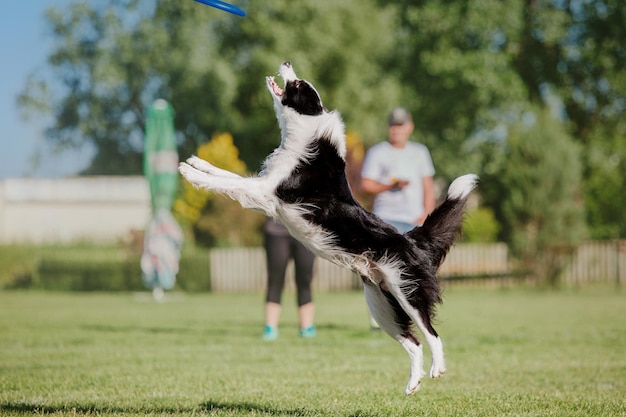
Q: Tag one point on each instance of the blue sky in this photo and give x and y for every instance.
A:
(24, 47)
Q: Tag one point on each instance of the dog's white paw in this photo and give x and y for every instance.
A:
(195, 177)
(412, 387)
(208, 168)
(185, 169)
(438, 366)
(437, 370)
(199, 164)
(414, 383)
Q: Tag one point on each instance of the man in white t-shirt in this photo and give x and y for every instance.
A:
(400, 175)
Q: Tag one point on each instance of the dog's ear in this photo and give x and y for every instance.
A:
(301, 96)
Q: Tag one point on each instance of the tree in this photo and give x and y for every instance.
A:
(454, 59)
(101, 104)
(339, 45)
(472, 68)
(605, 185)
(468, 71)
(116, 57)
(536, 186)
(575, 49)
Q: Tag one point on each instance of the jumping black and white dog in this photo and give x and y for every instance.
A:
(303, 184)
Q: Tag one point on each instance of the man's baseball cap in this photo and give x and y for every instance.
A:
(399, 116)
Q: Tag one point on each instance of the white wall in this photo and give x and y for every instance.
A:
(35, 210)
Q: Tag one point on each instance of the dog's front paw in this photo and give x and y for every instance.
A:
(195, 177)
(185, 169)
(199, 164)
(208, 168)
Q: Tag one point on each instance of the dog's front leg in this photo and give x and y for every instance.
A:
(252, 192)
(204, 166)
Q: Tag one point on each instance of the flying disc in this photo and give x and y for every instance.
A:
(227, 7)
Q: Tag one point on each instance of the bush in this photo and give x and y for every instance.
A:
(18, 265)
(86, 267)
(67, 274)
(480, 226)
(195, 273)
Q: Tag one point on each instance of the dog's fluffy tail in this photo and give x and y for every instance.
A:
(443, 225)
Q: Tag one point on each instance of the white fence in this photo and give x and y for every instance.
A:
(598, 261)
(244, 269)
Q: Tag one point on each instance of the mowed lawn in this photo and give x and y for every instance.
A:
(516, 352)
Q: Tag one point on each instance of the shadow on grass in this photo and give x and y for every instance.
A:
(222, 329)
(247, 407)
(228, 407)
(137, 329)
(87, 409)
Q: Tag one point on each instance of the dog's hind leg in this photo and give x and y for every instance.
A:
(421, 317)
(394, 321)
(413, 347)
(438, 365)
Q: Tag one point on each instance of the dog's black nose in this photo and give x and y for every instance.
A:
(287, 64)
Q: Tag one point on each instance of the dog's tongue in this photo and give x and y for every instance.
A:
(277, 90)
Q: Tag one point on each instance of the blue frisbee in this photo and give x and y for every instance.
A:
(227, 7)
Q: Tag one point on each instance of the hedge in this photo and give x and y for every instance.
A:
(66, 273)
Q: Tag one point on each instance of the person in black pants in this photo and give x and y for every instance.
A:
(280, 246)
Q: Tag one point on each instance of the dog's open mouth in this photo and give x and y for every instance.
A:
(275, 88)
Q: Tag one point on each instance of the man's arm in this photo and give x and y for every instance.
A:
(374, 187)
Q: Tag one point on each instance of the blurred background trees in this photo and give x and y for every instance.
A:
(529, 94)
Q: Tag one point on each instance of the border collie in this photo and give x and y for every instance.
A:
(303, 184)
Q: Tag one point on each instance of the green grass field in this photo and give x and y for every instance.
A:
(509, 352)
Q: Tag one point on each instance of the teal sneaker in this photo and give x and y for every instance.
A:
(270, 333)
(308, 333)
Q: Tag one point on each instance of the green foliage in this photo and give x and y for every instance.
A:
(512, 352)
(17, 266)
(62, 274)
(466, 70)
(224, 223)
(454, 59)
(92, 268)
(480, 226)
(219, 151)
(577, 49)
(20, 264)
(537, 189)
(605, 187)
(116, 57)
(340, 45)
(471, 68)
(194, 271)
(218, 221)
